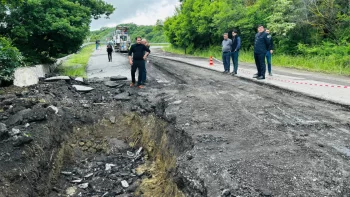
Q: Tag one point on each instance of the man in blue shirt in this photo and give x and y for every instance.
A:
(236, 45)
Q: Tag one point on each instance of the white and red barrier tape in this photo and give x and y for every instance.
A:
(299, 82)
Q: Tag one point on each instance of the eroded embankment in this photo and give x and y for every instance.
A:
(73, 137)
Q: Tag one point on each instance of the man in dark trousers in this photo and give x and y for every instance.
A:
(236, 45)
(269, 52)
(261, 46)
(109, 51)
(226, 52)
(137, 55)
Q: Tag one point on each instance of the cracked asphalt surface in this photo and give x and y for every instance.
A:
(254, 140)
(251, 139)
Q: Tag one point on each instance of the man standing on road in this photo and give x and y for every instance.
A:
(261, 46)
(144, 76)
(97, 43)
(236, 45)
(269, 52)
(109, 51)
(226, 50)
(137, 55)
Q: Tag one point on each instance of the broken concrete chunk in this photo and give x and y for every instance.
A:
(66, 173)
(57, 78)
(22, 141)
(80, 88)
(112, 119)
(88, 175)
(3, 127)
(77, 181)
(122, 97)
(130, 154)
(83, 186)
(111, 84)
(14, 132)
(53, 108)
(226, 192)
(125, 184)
(70, 191)
(118, 78)
(25, 77)
(177, 102)
(80, 79)
(109, 166)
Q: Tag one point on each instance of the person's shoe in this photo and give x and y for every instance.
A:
(233, 73)
(132, 84)
(260, 78)
(270, 73)
(224, 72)
(255, 76)
(141, 86)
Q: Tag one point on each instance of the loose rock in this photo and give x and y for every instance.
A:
(80, 79)
(109, 166)
(83, 186)
(225, 193)
(118, 78)
(80, 88)
(3, 129)
(14, 132)
(22, 140)
(112, 119)
(122, 97)
(57, 78)
(125, 184)
(111, 84)
(71, 191)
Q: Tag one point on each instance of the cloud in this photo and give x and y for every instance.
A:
(141, 12)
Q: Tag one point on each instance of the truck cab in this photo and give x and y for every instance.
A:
(122, 39)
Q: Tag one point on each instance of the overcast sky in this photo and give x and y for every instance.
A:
(141, 12)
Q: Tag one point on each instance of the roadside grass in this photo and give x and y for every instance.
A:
(76, 64)
(324, 64)
(160, 44)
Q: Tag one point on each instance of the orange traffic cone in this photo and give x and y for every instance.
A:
(211, 63)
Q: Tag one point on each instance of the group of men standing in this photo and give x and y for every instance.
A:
(263, 47)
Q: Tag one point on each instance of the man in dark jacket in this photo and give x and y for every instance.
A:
(269, 52)
(109, 51)
(261, 46)
(236, 45)
(137, 55)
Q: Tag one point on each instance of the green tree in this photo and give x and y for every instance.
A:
(10, 59)
(50, 28)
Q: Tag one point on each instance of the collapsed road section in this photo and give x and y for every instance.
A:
(64, 137)
(190, 132)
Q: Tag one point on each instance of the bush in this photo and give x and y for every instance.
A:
(10, 59)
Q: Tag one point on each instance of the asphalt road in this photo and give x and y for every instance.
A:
(256, 140)
(252, 139)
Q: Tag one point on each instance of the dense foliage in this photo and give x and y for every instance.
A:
(308, 27)
(46, 29)
(10, 59)
(153, 33)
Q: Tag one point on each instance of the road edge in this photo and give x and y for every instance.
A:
(264, 83)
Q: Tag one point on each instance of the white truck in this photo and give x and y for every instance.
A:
(121, 39)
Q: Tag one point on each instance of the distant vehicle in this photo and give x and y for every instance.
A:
(121, 39)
